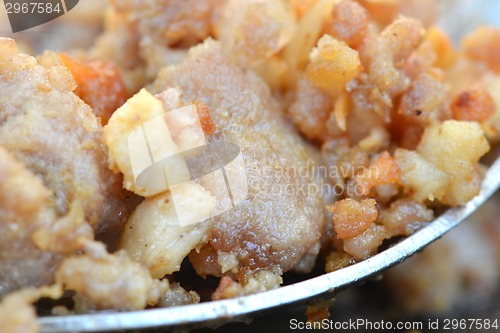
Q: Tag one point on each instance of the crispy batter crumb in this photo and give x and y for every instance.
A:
(337, 260)
(473, 104)
(383, 170)
(258, 282)
(332, 64)
(109, 282)
(351, 217)
(349, 22)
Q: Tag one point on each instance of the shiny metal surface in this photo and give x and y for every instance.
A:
(323, 286)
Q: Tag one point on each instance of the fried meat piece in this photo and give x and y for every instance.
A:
(32, 237)
(282, 217)
(55, 134)
(104, 281)
(24, 202)
(309, 109)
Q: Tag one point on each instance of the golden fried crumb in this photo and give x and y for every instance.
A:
(351, 217)
(110, 282)
(332, 64)
(473, 104)
(349, 22)
(383, 170)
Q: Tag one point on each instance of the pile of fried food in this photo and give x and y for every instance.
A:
(356, 120)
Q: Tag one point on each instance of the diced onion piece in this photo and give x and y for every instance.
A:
(332, 64)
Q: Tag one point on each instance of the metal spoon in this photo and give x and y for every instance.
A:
(321, 287)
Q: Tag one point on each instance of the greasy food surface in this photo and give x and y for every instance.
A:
(349, 125)
(243, 109)
(57, 137)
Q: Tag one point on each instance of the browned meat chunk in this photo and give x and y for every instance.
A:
(282, 217)
(53, 167)
(57, 137)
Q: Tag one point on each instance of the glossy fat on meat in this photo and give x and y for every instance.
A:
(270, 228)
(55, 134)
